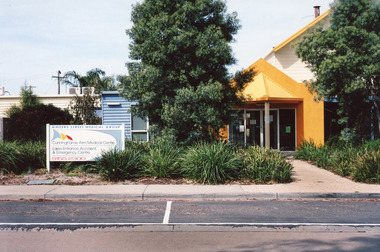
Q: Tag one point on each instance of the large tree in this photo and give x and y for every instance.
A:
(94, 78)
(180, 51)
(345, 59)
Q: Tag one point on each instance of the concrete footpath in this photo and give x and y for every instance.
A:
(310, 182)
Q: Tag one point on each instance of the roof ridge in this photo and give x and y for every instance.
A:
(265, 84)
(302, 30)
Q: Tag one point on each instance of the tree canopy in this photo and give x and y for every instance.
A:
(345, 59)
(94, 78)
(180, 51)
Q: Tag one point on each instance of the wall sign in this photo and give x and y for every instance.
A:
(288, 129)
(241, 128)
(69, 143)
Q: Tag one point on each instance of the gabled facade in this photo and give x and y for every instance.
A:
(280, 112)
(284, 56)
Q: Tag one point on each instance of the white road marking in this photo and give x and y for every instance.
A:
(167, 212)
(191, 224)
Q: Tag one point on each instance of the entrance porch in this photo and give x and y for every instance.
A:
(278, 112)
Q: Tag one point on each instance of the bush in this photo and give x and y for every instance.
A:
(341, 160)
(372, 145)
(33, 155)
(264, 165)
(30, 122)
(9, 157)
(140, 146)
(211, 163)
(367, 167)
(18, 157)
(162, 160)
(308, 150)
(120, 165)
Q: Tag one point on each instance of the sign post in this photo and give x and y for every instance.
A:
(81, 143)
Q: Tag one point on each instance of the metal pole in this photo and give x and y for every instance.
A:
(58, 77)
(48, 148)
(59, 82)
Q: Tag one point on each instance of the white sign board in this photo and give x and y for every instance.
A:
(69, 143)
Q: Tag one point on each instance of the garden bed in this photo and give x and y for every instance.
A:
(151, 163)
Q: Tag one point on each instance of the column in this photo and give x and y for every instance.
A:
(267, 125)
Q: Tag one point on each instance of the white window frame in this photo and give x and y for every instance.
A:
(139, 131)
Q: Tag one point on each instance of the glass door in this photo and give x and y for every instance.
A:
(254, 128)
(236, 127)
(247, 127)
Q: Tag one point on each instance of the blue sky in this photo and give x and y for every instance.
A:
(40, 37)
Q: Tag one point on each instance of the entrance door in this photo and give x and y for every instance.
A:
(254, 127)
(287, 129)
(247, 127)
(236, 127)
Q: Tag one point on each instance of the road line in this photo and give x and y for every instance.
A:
(167, 212)
(191, 224)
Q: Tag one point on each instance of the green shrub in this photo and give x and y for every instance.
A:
(341, 160)
(367, 167)
(33, 155)
(18, 157)
(372, 145)
(211, 163)
(264, 165)
(120, 165)
(162, 160)
(9, 157)
(136, 145)
(30, 122)
(308, 150)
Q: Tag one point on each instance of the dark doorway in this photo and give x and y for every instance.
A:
(287, 129)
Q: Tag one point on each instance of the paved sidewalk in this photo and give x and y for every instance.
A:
(310, 182)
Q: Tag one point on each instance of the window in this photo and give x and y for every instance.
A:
(139, 129)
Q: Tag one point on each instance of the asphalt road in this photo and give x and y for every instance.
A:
(257, 211)
(332, 225)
